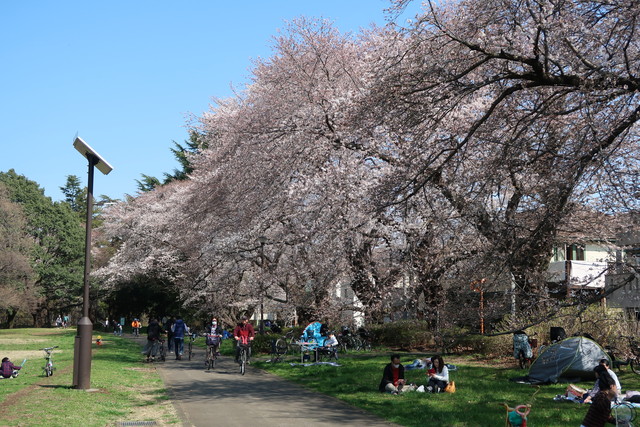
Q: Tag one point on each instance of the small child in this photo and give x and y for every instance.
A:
(8, 369)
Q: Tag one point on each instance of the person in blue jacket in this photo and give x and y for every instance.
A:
(179, 329)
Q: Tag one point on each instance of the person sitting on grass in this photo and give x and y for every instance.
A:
(330, 346)
(438, 375)
(393, 376)
(419, 364)
(600, 410)
(603, 376)
(9, 369)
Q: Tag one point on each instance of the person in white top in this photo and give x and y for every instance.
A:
(438, 375)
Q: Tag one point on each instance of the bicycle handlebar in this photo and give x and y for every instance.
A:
(49, 348)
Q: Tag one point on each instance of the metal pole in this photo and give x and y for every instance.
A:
(262, 287)
(82, 377)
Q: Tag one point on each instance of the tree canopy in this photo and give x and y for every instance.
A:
(401, 163)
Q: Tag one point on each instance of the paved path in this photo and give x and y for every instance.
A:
(223, 397)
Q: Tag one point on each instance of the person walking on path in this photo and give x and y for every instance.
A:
(154, 330)
(179, 329)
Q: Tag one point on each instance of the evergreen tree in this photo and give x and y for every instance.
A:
(57, 257)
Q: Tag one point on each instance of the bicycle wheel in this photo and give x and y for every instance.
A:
(190, 350)
(634, 366)
(163, 352)
(243, 360)
(48, 371)
(281, 347)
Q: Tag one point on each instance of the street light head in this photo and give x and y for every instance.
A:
(88, 152)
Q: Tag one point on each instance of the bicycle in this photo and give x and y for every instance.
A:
(243, 358)
(633, 359)
(163, 350)
(48, 357)
(192, 338)
(213, 344)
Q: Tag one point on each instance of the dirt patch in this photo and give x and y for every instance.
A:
(506, 362)
(16, 356)
(20, 341)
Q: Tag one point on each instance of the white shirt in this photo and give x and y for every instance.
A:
(331, 341)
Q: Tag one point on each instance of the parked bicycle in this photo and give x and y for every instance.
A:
(632, 358)
(48, 357)
(245, 349)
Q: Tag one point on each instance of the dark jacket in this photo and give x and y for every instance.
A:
(599, 411)
(387, 376)
(154, 330)
(216, 331)
(179, 328)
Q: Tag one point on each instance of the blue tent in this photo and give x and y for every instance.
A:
(573, 357)
(312, 333)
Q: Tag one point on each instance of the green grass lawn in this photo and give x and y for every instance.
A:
(126, 389)
(481, 390)
(129, 390)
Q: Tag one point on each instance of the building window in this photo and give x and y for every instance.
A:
(575, 253)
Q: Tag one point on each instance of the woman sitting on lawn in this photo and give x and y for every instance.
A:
(438, 375)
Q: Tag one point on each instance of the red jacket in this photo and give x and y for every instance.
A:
(243, 330)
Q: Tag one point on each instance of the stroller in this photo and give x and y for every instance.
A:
(522, 349)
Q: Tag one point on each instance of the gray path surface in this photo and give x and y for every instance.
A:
(223, 397)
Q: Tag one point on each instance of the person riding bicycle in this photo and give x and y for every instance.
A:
(9, 369)
(214, 335)
(243, 333)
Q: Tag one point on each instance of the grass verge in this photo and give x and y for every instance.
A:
(482, 387)
(125, 389)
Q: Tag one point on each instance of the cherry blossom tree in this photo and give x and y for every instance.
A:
(453, 150)
(514, 112)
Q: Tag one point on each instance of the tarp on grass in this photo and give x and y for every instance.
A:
(572, 358)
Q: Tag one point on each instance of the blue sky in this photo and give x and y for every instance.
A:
(125, 75)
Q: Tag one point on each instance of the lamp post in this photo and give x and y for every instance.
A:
(262, 240)
(82, 350)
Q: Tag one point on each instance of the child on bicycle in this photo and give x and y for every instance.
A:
(8, 369)
(214, 335)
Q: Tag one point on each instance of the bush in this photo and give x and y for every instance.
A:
(403, 334)
(486, 345)
(262, 343)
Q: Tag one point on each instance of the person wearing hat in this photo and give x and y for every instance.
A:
(243, 333)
